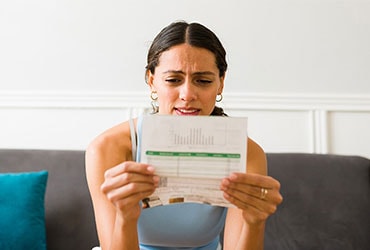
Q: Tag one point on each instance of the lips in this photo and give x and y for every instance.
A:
(187, 111)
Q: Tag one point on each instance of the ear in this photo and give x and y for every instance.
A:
(149, 80)
(221, 87)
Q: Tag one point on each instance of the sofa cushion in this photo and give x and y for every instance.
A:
(69, 215)
(326, 202)
(22, 210)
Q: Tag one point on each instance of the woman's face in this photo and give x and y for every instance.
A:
(186, 80)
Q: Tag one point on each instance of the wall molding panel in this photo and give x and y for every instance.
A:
(256, 101)
(280, 122)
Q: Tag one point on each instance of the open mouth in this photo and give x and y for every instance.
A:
(182, 111)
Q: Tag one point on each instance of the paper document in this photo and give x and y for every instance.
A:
(191, 155)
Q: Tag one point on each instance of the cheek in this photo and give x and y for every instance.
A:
(166, 98)
(209, 102)
(209, 97)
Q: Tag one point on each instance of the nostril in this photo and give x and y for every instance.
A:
(187, 94)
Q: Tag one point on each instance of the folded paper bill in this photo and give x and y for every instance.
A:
(191, 155)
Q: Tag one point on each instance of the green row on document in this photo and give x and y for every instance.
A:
(192, 154)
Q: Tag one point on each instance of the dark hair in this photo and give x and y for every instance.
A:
(194, 34)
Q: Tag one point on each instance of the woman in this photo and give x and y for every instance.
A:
(185, 72)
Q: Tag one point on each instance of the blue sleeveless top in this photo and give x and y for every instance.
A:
(178, 226)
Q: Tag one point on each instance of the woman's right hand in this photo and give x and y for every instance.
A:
(126, 184)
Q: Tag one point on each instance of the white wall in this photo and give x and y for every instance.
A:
(71, 68)
(293, 46)
(280, 123)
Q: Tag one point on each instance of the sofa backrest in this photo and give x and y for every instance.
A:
(326, 202)
(68, 208)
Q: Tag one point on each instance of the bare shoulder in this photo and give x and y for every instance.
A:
(256, 158)
(110, 148)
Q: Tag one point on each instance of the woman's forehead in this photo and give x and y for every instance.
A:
(184, 57)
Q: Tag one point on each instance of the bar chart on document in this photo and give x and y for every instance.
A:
(192, 136)
(202, 147)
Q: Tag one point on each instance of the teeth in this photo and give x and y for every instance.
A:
(187, 110)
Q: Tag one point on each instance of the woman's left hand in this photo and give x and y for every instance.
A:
(257, 195)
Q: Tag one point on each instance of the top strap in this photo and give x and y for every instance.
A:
(133, 139)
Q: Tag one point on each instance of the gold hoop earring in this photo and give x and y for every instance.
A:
(154, 95)
(219, 98)
(154, 103)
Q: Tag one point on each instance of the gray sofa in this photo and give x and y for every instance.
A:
(326, 200)
(68, 210)
(326, 203)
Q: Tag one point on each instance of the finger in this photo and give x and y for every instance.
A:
(251, 213)
(132, 200)
(127, 178)
(129, 166)
(245, 201)
(271, 195)
(254, 180)
(130, 190)
(246, 188)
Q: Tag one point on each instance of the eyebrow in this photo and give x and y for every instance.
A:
(183, 73)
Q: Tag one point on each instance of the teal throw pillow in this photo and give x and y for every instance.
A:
(22, 210)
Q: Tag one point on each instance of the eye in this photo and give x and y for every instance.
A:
(203, 81)
(173, 80)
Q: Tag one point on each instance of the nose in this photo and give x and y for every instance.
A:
(188, 92)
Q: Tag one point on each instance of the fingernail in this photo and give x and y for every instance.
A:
(156, 178)
(226, 182)
(233, 177)
(150, 168)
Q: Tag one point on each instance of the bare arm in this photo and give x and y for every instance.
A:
(116, 186)
(245, 225)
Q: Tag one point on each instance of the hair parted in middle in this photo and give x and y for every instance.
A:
(194, 34)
